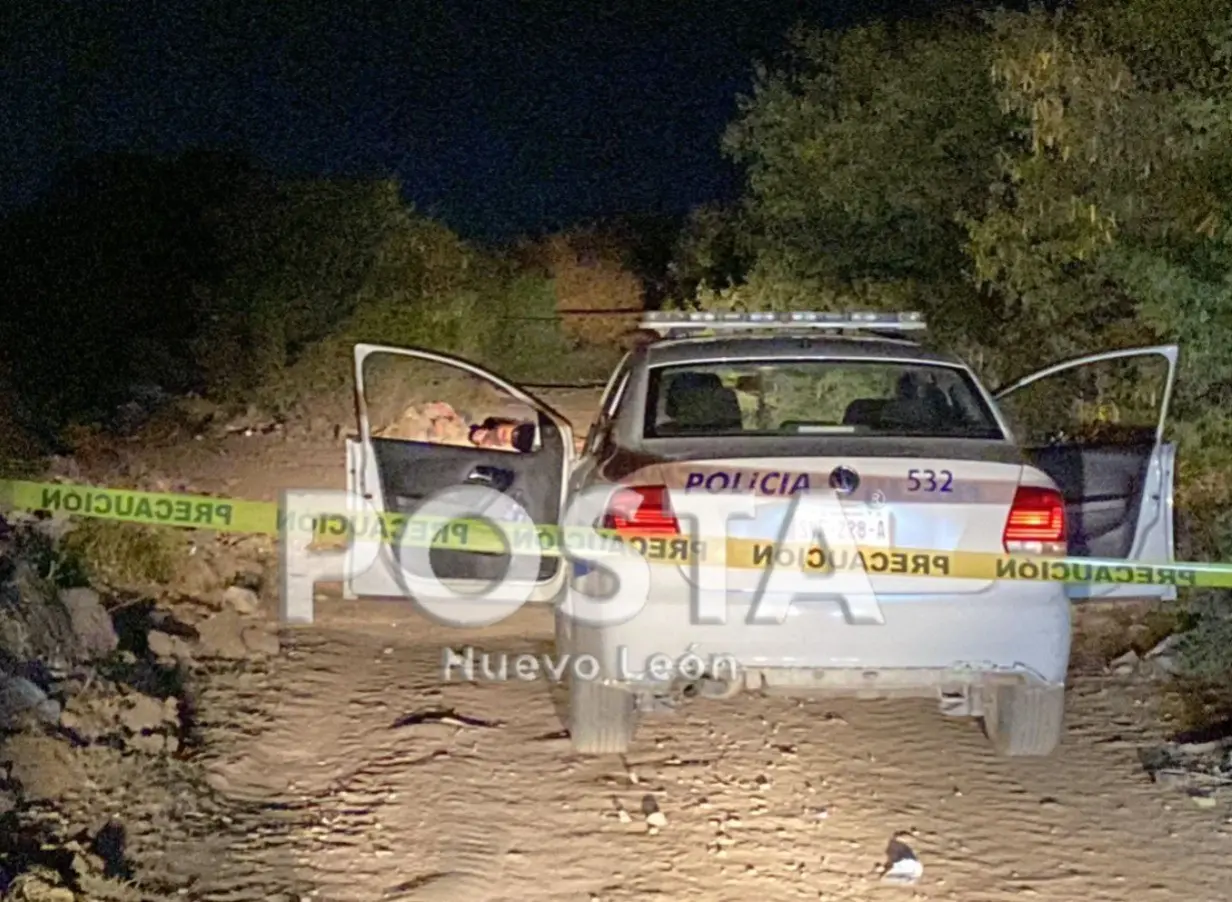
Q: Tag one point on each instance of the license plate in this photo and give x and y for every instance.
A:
(861, 527)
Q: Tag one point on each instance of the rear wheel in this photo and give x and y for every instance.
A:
(1024, 720)
(602, 720)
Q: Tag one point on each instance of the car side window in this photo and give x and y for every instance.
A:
(1118, 400)
(427, 401)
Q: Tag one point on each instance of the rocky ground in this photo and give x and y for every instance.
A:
(99, 699)
(169, 741)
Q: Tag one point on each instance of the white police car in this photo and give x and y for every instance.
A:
(725, 424)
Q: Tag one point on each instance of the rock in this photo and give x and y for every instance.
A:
(242, 601)
(161, 645)
(47, 527)
(64, 467)
(1168, 644)
(1126, 663)
(34, 625)
(96, 635)
(1162, 657)
(655, 819)
(1165, 664)
(223, 560)
(45, 768)
(249, 575)
(905, 870)
(223, 636)
(147, 743)
(22, 702)
(166, 646)
(261, 641)
(91, 716)
(901, 864)
(141, 713)
(86, 864)
(196, 577)
(38, 886)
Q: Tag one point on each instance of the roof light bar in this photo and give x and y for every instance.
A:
(665, 322)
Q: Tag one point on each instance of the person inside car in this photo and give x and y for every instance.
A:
(503, 433)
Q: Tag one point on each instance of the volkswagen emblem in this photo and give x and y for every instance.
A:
(844, 480)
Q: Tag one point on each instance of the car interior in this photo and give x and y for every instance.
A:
(411, 472)
(699, 403)
(1103, 483)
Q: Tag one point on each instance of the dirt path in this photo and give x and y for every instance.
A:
(768, 799)
(765, 798)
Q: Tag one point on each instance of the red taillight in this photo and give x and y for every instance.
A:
(643, 508)
(1036, 522)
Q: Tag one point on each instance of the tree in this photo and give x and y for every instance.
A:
(862, 152)
(1113, 183)
(1041, 184)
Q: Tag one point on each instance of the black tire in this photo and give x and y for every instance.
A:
(602, 720)
(1024, 720)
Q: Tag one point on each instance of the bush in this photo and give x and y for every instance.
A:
(531, 343)
(123, 555)
(590, 273)
(204, 274)
(431, 290)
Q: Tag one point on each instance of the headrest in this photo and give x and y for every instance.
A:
(864, 412)
(687, 387)
(910, 415)
(700, 400)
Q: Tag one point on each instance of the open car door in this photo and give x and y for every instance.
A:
(399, 475)
(1096, 426)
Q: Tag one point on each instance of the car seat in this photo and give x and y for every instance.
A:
(698, 402)
(864, 412)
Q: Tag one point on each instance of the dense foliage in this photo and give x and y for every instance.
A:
(204, 273)
(1042, 184)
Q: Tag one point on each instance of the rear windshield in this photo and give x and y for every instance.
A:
(816, 397)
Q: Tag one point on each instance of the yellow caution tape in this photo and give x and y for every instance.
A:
(153, 508)
(479, 536)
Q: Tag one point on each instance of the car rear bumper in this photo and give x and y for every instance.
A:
(1015, 630)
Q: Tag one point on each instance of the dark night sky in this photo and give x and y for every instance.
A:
(500, 116)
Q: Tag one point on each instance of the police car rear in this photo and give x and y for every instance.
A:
(806, 489)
